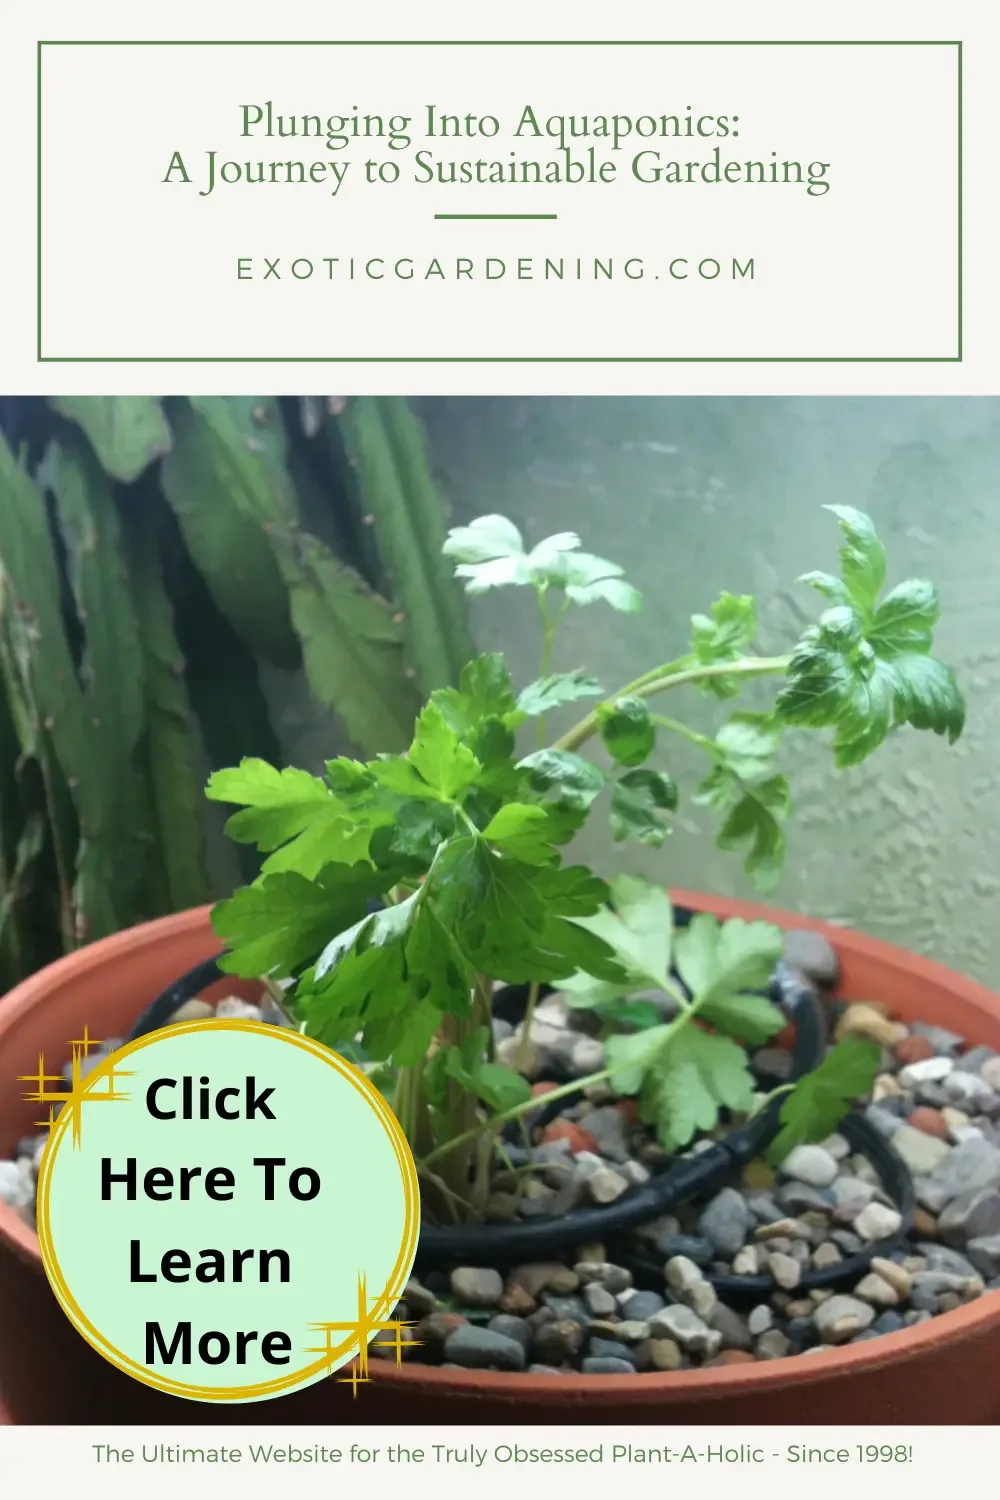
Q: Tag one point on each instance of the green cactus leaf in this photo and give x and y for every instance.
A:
(169, 746)
(32, 787)
(126, 432)
(20, 733)
(10, 815)
(37, 652)
(352, 648)
(223, 495)
(20, 919)
(223, 680)
(109, 793)
(386, 446)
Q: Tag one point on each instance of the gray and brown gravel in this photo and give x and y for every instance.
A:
(936, 1098)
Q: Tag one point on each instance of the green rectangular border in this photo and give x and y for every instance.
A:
(446, 359)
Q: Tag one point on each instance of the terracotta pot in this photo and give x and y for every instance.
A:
(940, 1372)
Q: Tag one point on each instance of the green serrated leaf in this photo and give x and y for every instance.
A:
(864, 667)
(631, 1057)
(367, 992)
(820, 682)
(645, 910)
(485, 898)
(638, 932)
(483, 713)
(614, 591)
(862, 557)
(558, 563)
(747, 954)
(522, 830)
(500, 573)
(490, 554)
(627, 730)
(552, 692)
(499, 1087)
(700, 1073)
(754, 814)
(396, 776)
(640, 1015)
(484, 540)
(683, 1079)
(572, 890)
(406, 1036)
(820, 1100)
(437, 970)
(749, 742)
(584, 992)
(575, 780)
(282, 921)
(752, 1019)
(413, 837)
(639, 801)
(510, 918)
(721, 959)
(484, 693)
(280, 804)
(726, 634)
(289, 815)
(753, 826)
(831, 588)
(565, 819)
(378, 930)
(926, 695)
(447, 765)
(903, 623)
(552, 559)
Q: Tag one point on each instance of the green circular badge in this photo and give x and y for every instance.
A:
(227, 1211)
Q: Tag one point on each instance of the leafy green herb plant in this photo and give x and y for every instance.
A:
(398, 892)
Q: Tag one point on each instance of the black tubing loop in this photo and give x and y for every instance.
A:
(167, 1004)
(679, 1182)
(897, 1184)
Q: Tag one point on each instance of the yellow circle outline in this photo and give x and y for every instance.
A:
(263, 1389)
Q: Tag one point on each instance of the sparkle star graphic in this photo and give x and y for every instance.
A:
(78, 1092)
(364, 1328)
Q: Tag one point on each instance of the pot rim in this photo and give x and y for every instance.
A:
(34, 991)
(976, 1318)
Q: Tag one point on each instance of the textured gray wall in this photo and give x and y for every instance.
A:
(693, 496)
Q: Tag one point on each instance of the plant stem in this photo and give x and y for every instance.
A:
(548, 634)
(701, 740)
(668, 677)
(67, 906)
(518, 1111)
(784, 1088)
(523, 1051)
(402, 1098)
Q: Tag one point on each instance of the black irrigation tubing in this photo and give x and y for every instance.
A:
(683, 1180)
(167, 1004)
(898, 1186)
